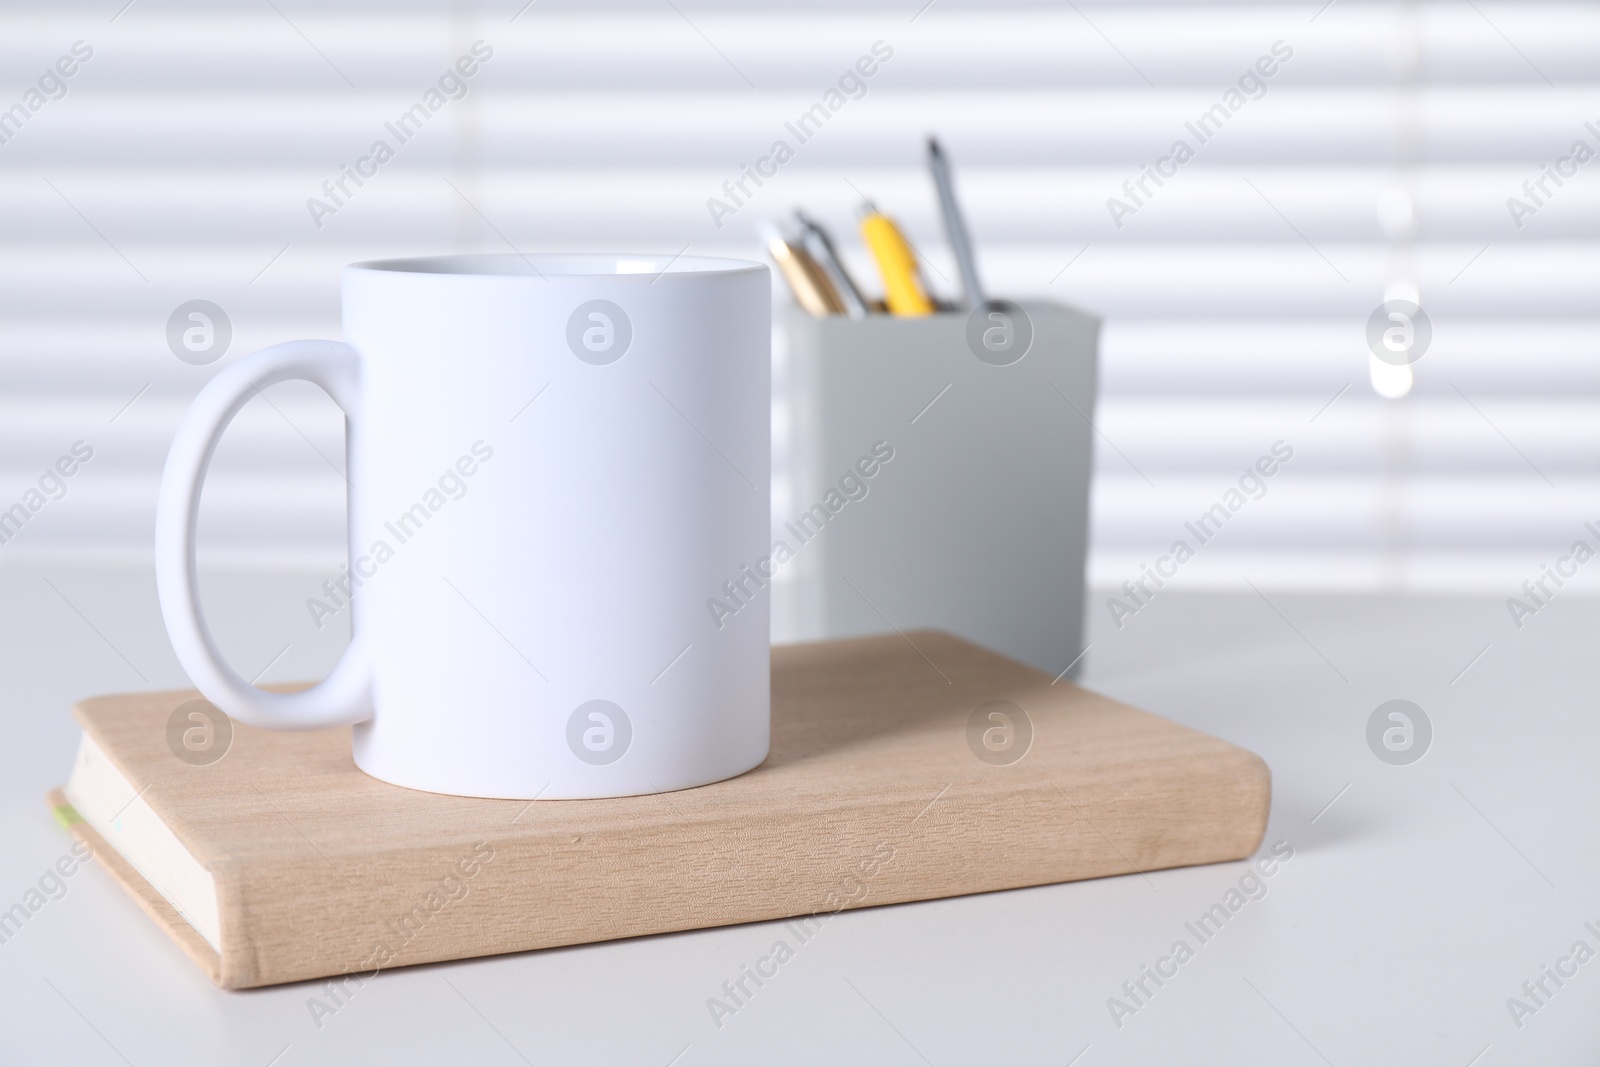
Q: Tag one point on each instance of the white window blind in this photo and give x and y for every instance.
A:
(1375, 161)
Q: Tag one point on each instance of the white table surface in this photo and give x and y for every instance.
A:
(1414, 906)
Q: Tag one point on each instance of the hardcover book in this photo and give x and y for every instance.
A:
(903, 768)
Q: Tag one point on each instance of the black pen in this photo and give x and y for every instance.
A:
(815, 240)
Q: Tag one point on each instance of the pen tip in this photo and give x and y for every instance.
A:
(933, 145)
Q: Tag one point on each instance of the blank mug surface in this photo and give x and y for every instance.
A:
(560, 468)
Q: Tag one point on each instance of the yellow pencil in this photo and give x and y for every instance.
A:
(902, 288)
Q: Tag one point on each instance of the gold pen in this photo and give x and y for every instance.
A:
(810, 285)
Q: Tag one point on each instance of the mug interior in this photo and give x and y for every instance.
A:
(582, 264)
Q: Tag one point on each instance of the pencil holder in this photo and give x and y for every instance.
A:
(940, 477)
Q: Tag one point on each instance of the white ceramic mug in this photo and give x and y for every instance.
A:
(553, 462)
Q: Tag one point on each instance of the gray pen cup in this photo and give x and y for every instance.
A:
(940, 478)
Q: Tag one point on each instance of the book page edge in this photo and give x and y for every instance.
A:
(101, 795)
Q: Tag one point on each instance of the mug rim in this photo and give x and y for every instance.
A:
(649, 266)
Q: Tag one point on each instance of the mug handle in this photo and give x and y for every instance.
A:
(345, 695)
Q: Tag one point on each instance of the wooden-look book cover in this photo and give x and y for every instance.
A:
(889, 780)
